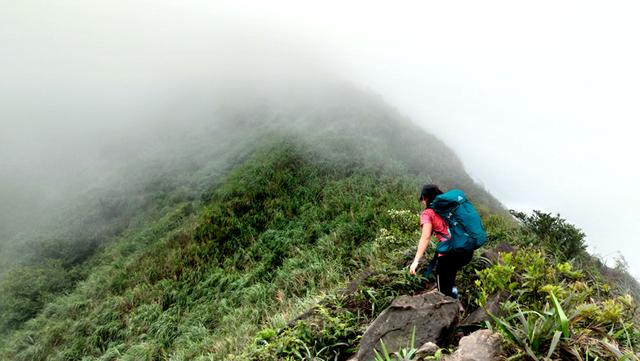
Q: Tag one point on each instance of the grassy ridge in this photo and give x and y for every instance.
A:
(221, 279)
(284, 228)
(167, 270)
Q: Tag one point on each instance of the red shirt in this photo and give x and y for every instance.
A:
(439, 226)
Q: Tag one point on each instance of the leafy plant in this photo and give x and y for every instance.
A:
(537, 333)
(537, 324)
(403, 354)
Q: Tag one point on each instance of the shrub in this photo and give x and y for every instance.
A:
(560, 238)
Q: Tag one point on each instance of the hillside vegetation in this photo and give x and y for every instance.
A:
(281, 234)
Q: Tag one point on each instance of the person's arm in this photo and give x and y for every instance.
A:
(425, 237)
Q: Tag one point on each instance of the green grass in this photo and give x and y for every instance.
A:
(220, 276)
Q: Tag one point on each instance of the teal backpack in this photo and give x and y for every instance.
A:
(465, 226)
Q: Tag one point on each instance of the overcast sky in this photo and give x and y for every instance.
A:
(539, 99)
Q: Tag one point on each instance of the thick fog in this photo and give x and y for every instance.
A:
(87, 86)
(538, 100)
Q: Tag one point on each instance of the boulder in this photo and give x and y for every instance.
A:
(482, 345)
(432, 314)
(476, 318)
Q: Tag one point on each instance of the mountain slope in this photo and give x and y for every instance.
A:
(286, 222)
(297, 200)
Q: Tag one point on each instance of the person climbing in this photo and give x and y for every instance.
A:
(455, 244)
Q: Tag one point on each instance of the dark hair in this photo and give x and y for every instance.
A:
(429, 192)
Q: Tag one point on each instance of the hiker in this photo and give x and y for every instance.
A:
(447, 264)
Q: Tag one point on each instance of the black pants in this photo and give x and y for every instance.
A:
(447, 267)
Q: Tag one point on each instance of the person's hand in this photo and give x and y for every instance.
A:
(413, 267)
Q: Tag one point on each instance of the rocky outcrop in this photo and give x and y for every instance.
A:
(477, 318)
(431, 314)
(482, 345)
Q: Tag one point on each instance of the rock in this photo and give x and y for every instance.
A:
(488, 258)
(353, 286)
(482, 345)
(493, 254)
(433, 315)
(426, 350)
(476, 318)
